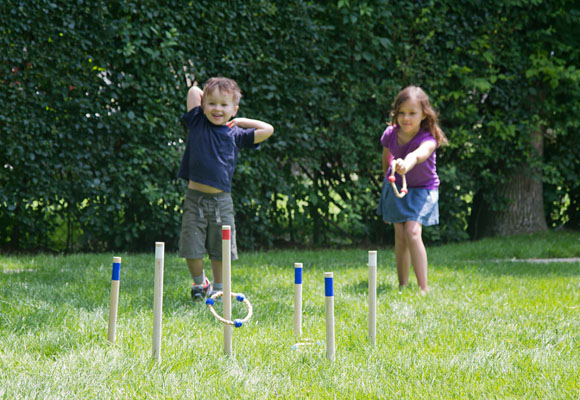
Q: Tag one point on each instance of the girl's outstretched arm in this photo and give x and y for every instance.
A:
(415, 157)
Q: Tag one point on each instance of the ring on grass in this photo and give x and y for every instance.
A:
(305, 342)
(236, 322)
(392, 180)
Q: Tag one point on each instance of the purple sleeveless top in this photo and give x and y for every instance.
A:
(423, 175)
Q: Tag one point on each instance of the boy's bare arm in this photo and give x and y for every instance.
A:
(194, 96)
(263, 129)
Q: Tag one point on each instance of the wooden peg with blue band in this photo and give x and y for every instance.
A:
(298, 301)
(329, 305)
(115, 283)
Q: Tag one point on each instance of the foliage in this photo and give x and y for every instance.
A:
(91, 138)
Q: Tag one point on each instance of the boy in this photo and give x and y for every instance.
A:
(208, 164)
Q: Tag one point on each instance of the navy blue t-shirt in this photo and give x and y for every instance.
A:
(211, 151)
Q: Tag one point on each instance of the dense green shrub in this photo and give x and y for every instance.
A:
(93, 92)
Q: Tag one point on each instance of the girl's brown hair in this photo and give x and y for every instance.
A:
(430, 123)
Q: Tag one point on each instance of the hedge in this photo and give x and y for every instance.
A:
(93, 93)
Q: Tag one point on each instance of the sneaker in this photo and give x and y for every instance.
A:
(200, 292)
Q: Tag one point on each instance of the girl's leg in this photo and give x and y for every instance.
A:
(402, 256)
(418, 253)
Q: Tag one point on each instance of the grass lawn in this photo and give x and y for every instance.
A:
(490, 328)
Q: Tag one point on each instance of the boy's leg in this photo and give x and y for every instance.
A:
(192, 242)
(193, 233)
(195, 267)
(216, 270)
(201, 287)
(418, 253)
(402, 256)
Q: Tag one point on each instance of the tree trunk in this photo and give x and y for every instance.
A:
(524, 211)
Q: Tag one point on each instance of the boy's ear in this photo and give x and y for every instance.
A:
(236, 108)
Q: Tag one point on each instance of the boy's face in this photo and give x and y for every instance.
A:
(219, 106)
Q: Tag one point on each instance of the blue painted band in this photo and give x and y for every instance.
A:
(328, 287)
(298, 276)
(116, 272)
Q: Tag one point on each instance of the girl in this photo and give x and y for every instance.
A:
(411, 140)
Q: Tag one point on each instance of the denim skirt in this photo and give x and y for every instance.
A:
(420, 205)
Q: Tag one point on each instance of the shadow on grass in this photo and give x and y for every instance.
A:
(362, 288)
(511, 268)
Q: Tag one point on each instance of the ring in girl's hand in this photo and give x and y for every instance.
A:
(391, 178)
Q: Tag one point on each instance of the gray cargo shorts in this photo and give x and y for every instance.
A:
(201, 226)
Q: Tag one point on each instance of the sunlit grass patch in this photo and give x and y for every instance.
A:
(489, 328)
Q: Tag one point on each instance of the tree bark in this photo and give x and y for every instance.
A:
(524, 211)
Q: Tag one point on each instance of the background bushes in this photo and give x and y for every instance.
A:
(93, 93)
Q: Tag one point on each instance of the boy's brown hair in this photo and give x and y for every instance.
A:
(224, 85)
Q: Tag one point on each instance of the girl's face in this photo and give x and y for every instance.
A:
(219, 106)
(409, 117)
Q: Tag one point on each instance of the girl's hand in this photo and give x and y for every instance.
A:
(401, 166)
(232, 123)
